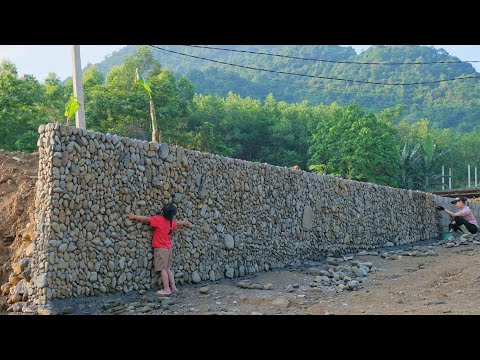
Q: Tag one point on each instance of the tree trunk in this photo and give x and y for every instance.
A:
(155, 132)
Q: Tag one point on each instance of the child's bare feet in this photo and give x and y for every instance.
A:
(174, 289)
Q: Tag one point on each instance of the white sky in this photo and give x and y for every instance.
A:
(39, 60)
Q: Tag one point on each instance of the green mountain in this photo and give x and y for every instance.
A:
(447, 105)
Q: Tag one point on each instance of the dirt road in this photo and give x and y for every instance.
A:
(432, 280)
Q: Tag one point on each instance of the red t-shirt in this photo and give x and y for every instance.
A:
(161, 239)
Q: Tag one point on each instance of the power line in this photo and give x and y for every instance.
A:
(314, 76)
(315, 87)
(336, 61)
(343, 91)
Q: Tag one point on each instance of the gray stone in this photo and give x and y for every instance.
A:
(167, 303)
(62, 247)
(156, 183)
(156, 161)
(281, 302)
(307, 220)
(332, 261)
(436, 302)
(230, 273)
(212, 276)
(359, 272)
(196, 277)
(177, 197)
(68, 310)
(367, 264)
(56, 162)
(41, 280)
(203, 290)
(314, 271)
(95, 209)
(229, 242)
(45, 310)
(245, 284)
(289, 288)
(55, 227)
(163, 151)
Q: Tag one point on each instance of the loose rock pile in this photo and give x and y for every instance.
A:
(348, 276)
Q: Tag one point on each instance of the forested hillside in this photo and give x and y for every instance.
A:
(382, 141)
(447, 105)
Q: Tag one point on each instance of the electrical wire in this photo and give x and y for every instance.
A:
(311, 87)
(318, 77)
(336, 61)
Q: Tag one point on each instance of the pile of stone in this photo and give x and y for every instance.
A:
(462, 240)
(398, 254)
(18, 288)
(348, 276)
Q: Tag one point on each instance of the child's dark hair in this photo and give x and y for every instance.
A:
(168, 212)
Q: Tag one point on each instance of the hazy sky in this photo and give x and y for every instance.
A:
(39, 60)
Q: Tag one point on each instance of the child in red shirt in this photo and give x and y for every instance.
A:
(163, 225)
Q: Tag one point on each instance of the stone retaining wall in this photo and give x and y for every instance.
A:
(247, 217)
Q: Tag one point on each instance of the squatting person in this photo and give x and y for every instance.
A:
(463, 216)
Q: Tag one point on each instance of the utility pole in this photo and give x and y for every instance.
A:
(78, 87)
(443, 177)
(468, 175)
(450, 178)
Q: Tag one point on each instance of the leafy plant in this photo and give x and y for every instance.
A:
(140, 81)
(71, 107)
(409, 164)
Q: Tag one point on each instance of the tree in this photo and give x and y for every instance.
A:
(54, 96)
(354, 145)
(22, 108)
(92, 77)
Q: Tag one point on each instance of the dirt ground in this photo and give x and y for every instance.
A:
(18, 175)
(446, 283)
